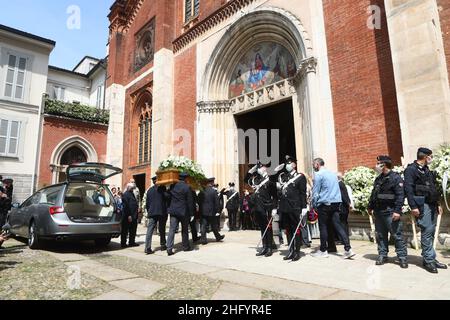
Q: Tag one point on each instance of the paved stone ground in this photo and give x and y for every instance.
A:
(224, 271)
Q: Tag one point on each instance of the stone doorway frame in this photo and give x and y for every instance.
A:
(62, 147)
(216, 111)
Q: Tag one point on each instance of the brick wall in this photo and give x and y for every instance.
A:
(444, 15)
(122, 44)
(185, 93)
(57, 130)
(363, 86)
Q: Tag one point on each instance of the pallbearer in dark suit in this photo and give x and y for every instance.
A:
(129, 217)
(157, 201)
(193, 222)
(265, 200)
(210, 209)
(180, 211)
(292, 204)
(232, 204)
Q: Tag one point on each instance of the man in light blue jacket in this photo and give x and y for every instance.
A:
(327, 199)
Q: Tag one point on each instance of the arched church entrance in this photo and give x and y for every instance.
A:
(255, 92)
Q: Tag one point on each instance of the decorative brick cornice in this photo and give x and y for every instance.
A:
(123, 13)
(208, 23)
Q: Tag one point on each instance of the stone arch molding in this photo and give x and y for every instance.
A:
(258, 25)
(74, 141)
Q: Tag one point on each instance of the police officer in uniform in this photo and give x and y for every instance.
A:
(292, 202)
(386, 202)
(181, 211)
(265, 200)
(209, 208)
(423, 198)
(156, 205)
(232, 204)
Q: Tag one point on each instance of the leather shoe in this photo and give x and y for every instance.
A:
(403, 264)
(188, 250)
(170, 253)
(220, 238)
(289, 256)
(381, 261)
(133, 245)
(269, 253)
(262, 252)
(430, 267)
(440, 265)
(296, 256)
(163, 248)
(149, 251)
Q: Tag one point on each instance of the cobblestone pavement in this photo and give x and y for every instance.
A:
(35, 275)
(218, 271)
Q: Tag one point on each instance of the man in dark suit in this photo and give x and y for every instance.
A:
(346, 204)
(181, 211)
(157, 200)
(232, 204)
(5, 206)
(210, 209)
(129, 217)
(193, 222)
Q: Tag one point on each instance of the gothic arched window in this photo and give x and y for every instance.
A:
(145, 135)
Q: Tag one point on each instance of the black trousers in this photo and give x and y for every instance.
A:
(174, 221)
(263, 219)
(290, 222)
(129, 230)
(329, 218)
(232, 216)
(214, 227)
(161, 221)
(194, 230)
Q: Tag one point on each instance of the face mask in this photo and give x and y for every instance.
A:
(289, 167)
(261, 171)
(429, 160)
(379, 168)
(232, 188)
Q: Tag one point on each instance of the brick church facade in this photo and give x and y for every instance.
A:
(343, 80)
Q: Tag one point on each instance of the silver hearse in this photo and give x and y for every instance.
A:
(82, 208)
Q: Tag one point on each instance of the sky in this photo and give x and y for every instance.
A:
(79, 27)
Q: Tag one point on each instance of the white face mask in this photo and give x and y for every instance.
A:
(261, 171)
(289, 167)
(429, 160)
(379, 168)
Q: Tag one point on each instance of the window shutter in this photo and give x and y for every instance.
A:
(196, 7)
(188, 10)
(14, 138)
(3, 135)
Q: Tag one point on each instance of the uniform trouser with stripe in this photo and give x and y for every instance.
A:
(427, 224)
(291, 221)
(263, 218)
(232, 216)
(385, 225)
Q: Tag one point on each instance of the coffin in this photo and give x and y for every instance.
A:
(167, 177)
(172, 176)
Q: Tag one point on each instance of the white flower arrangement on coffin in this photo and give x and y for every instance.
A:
(183, 164)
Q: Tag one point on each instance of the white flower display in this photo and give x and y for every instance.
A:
(361, 180)
(441, 165)
(183, 164)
